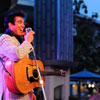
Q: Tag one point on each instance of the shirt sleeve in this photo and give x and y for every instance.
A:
(12, 49)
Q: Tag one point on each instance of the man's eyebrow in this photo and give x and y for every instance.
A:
(19, 21)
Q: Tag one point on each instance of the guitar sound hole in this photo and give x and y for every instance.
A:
(35, 73)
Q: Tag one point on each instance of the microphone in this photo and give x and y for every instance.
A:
(28, 29)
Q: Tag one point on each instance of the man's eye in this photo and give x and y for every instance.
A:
(19, 22)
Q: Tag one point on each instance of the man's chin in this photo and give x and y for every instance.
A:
(23, 33)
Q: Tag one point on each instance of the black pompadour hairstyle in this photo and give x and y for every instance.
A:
(10, 17)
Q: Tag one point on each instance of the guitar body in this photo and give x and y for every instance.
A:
(24, 75)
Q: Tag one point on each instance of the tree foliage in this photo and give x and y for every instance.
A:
(87, 40)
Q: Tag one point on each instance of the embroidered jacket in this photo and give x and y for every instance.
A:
(11, 48)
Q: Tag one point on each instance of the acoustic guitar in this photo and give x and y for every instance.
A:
(23, 75)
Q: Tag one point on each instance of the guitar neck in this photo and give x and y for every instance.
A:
(58, 73)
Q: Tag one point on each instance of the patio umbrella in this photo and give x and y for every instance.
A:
(84, 75)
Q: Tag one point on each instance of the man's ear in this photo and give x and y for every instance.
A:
(10, 25)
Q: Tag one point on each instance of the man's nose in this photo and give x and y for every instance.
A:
(23, 26)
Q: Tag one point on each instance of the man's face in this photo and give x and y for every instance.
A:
(18, 26)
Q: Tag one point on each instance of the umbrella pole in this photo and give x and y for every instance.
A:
(79, 90)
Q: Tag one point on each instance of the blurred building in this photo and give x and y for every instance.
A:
(54, 43)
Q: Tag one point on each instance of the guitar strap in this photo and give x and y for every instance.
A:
(2, 61)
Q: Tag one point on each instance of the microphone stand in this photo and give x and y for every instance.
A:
(41, 81)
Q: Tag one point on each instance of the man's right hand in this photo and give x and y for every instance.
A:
(29, 36)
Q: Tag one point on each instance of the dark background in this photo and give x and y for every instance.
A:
(7, 6)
